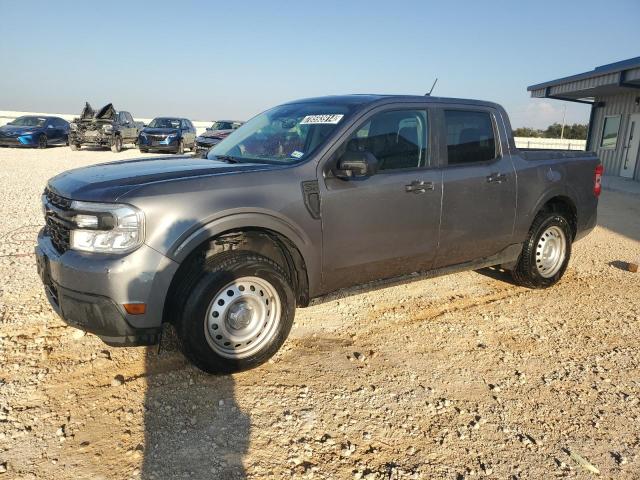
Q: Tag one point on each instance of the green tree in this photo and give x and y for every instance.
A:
(527, 132)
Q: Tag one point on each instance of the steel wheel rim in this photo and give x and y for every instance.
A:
(243, 317)
(551, 251)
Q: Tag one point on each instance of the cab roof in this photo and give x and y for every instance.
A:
(368, 99)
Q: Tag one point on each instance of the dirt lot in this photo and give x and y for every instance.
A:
(455, 377)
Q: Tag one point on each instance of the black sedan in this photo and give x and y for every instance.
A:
(34, 131)
(167, 134)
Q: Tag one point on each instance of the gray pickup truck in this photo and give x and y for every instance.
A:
(304, 199)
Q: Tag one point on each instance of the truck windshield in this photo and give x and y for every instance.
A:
(28, 122)
(282, 135)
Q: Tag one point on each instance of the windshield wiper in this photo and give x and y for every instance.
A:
(227, 158)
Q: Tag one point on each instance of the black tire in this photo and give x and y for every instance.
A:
(116, 144)
(75, 146)
(144, 150)
(207, 279)
(529, 271)
(180, 148)
(42, 141)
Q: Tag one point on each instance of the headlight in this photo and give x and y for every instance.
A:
(106, 227)
(142, 134)
(107, 128)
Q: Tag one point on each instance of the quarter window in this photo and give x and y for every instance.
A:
(610, 132)
(397, 139)
(470, 137)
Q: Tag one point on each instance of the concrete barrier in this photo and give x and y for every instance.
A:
(550, 143)
(7, 116)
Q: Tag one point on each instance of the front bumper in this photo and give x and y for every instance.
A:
(88, 290)
(158, 143)
(201, 149)
(21, 141)
(90, 138)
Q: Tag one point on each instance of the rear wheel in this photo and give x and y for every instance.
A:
(143, 150)
(546, 252)
(116, 144)
(42, 141)
(238, 312)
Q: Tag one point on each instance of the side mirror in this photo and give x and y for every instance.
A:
(356, 165)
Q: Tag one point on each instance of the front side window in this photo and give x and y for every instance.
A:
(610, 132)
(283, 135)
(470, 137)
(397, 139)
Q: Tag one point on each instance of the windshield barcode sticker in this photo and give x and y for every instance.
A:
(331, 119)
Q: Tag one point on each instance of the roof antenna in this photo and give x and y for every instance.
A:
(432, 87)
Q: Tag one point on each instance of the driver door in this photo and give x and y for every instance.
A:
(386, 224)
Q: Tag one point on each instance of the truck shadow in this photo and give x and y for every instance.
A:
(193, 426)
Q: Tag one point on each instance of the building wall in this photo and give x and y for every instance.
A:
(624, 105)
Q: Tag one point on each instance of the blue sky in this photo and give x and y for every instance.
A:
(209, 60)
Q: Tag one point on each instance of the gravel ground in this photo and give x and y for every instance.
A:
(464, 376)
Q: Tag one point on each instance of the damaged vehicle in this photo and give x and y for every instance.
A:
(217, 132)
(168, 134)
(107, 128)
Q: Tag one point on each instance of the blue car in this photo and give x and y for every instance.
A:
(34, 131)
(167, 134)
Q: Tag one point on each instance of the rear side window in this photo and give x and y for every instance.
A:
(470, 137)
(397, 139)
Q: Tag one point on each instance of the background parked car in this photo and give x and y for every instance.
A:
(214, 134)
(105, 128)
(167, 133)
(34, 131)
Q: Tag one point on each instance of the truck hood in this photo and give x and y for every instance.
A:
(106, 182)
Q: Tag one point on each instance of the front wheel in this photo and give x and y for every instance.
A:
(116, 144)
(42, 141)
(238, 312)
(180, 147)
(546, 252)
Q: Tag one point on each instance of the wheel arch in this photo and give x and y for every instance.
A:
(565, 205)
(258, 239)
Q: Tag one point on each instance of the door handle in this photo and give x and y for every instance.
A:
(496, 178)
(419, 186)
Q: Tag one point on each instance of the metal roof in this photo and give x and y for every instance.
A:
(610, 79)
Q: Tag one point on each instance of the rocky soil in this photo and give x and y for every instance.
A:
(464, 376)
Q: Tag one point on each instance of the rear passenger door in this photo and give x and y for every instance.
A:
(479, 185)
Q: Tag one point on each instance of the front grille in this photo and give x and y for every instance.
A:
(57, 200)
(57, 226)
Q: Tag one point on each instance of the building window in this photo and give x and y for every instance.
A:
(610, 132)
